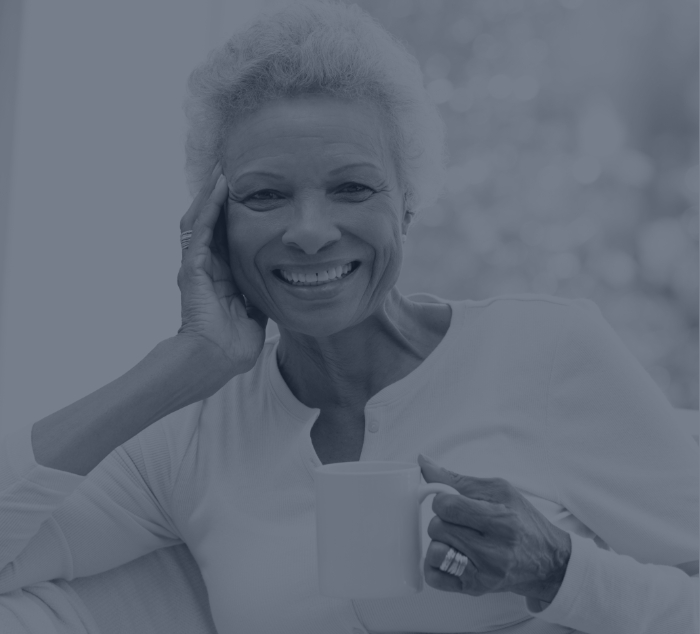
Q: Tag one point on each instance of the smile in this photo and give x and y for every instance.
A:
(317, 278)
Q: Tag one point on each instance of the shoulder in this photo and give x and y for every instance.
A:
(523, 305)
(518, 307)
(529, 322)
(579, 337)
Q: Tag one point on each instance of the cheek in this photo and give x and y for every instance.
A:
(245, 235)
(241, 255)
(380, 226)
(390, 248)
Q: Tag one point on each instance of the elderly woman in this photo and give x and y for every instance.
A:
(312, 146)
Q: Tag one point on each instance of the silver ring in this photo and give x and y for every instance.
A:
(185, 238)
(454, 563)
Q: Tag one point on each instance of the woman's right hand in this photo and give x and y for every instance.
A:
(214, 312)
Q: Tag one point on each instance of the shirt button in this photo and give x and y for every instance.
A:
(373, 426)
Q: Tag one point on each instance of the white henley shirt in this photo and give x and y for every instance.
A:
(534, 389)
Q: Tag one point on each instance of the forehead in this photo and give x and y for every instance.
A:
(320, 130)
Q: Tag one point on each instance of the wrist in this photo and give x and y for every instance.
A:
(199, 367)
(549, 588)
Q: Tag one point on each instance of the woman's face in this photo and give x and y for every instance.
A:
(312, 189)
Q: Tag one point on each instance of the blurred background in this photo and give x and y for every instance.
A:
(573, 134)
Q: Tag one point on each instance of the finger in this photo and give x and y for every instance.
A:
(434, 558)
(203, 227)
(219, 243)
(466, 540)
(203, 194)
(436, 553)
(468, 580)
(478, 515)
(466, 583)
(444, 581)
(488, 489)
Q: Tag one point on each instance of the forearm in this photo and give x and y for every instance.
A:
(77, 438)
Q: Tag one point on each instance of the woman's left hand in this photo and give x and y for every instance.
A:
(511, 546)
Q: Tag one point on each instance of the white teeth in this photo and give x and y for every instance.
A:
(317, 278)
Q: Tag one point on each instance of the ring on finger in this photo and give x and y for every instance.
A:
(454, 563)
(185, 238)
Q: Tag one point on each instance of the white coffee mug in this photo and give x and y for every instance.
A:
(368, 528)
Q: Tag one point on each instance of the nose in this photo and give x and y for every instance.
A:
(311, 228)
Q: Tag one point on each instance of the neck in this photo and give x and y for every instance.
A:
(346, 369)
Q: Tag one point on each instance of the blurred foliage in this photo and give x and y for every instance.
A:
(573, 133)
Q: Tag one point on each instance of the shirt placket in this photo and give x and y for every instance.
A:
(374, 424)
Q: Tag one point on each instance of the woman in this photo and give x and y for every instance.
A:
(312, 145)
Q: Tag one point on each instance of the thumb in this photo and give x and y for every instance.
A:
(433, 472)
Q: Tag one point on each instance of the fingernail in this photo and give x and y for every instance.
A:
(220, 180)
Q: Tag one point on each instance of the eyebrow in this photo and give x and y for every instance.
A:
(350, 165)
(332, 172)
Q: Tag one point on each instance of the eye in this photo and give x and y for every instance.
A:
(263, 191)
(351, 185)
(349, 188)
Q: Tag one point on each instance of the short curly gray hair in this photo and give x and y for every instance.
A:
(318, 47)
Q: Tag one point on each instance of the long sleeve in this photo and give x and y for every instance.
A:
(605, 592)
(46, 608)
(631, 476)
(55, 524)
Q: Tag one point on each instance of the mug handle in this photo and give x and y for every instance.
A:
(424, 490)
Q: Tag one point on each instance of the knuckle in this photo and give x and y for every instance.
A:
(504, 513)
(455, 479)
(185, 268)
(499, 483)
(509, 535)
(188, 269)
(501, 488)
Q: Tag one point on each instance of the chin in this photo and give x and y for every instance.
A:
(316, 325)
